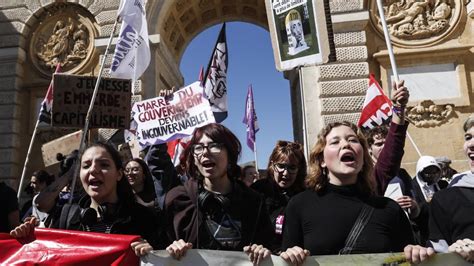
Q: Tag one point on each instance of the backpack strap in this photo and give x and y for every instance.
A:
(359, 225)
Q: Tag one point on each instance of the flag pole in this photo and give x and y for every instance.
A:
(393, 63)
(91, 107)
(303, 114)
(255, 153)
(388, 42)
(27, 160)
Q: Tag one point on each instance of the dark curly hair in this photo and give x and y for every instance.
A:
(381, 131)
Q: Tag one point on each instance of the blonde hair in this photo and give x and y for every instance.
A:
(317, 178)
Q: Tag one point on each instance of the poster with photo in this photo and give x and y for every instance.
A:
(299, 32)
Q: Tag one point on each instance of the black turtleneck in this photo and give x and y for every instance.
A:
(320, 222)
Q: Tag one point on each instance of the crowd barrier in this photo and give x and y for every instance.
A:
(62, 247)
(202, 257)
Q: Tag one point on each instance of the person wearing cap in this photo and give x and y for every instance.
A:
(425, 185)
(451, 220)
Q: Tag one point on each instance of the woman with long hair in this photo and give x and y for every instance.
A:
(139, 177)
(286, 172)
(339, 213)
(214, 210)
(109, 205)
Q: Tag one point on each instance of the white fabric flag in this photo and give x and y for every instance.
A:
(132, 51)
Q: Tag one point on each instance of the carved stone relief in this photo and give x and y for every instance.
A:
(417, 22)
(428, 114)
(64, 36)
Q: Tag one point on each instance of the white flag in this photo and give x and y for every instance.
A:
(132, 51)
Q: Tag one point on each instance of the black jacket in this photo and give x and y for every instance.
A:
(128, 219)
(183, 217)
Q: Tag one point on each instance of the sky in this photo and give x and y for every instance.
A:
(250, 62)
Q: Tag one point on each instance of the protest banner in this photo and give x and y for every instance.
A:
(161, 119)
(299, 32)
(65, 145)
(72, 97)
(63, 247)
(198, 257)
(70, 247)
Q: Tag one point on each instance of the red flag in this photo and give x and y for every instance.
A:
(47, 104)
(64, 247)
(176, 148)
(377, 106)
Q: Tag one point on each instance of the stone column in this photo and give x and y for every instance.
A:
(10, 134)
(334, 91)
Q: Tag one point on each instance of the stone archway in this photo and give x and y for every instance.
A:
(331, 92)
(178, 22)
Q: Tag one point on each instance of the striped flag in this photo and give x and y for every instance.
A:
(47, 104)
(377, 106)
(215, 83)
(250, 119)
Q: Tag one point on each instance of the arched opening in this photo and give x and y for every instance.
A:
(250, 62)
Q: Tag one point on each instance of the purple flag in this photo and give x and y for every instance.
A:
(250, 119)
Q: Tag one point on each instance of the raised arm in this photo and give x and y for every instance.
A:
(389, 161)
(46, 199)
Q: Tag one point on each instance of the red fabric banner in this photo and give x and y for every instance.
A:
(66, 247)
(377, 106)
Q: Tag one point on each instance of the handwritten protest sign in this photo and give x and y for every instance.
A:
(72, 96)
(161, 120)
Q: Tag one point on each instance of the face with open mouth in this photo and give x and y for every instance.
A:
(210, 163)
(99, 175)
(285, 172)
(134, 174)
(469, 146)
(343, 156)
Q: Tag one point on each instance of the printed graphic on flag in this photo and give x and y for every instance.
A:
(132, 51)
(250, 119)
(215, 82)
(377, 106)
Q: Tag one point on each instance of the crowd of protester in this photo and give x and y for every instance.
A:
(331, 204)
